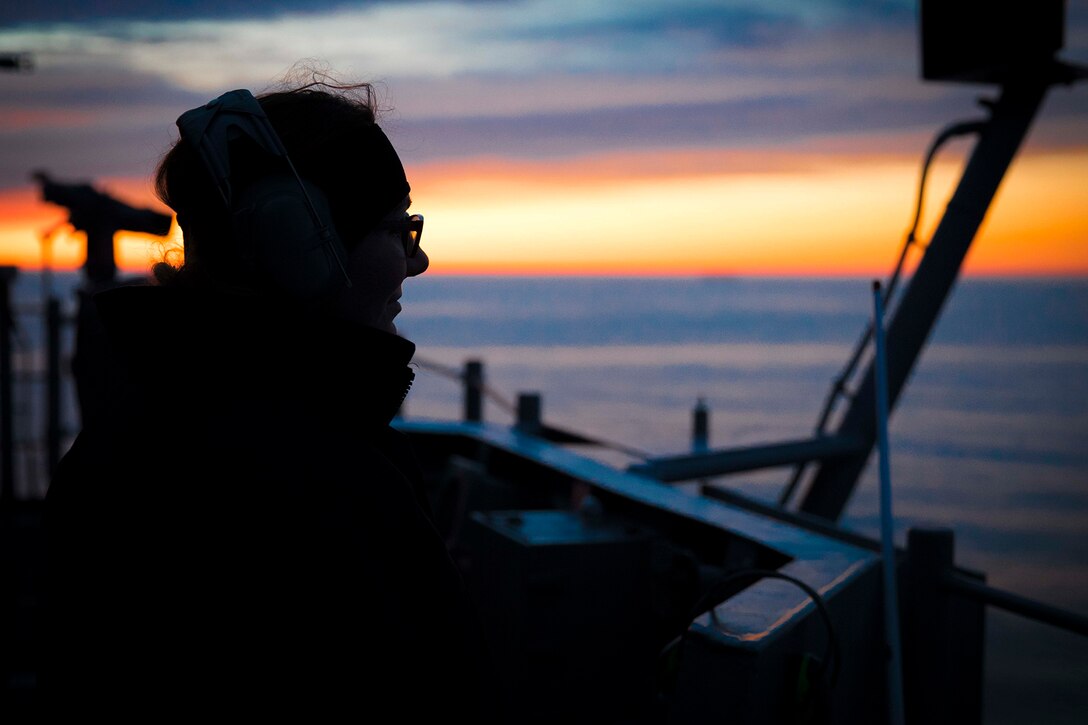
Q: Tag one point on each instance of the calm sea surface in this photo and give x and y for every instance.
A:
(989, 438)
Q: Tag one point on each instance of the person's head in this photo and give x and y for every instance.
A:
(332, 138)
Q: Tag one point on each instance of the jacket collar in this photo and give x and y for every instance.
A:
(210, 344)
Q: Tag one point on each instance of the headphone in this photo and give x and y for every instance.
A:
(281, 223)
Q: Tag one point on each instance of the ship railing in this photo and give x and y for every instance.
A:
(31, 391)
(527, 410)
(1015, 603)
(691, 466)
(935, 546)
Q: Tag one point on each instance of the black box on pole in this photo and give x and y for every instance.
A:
(977, 41)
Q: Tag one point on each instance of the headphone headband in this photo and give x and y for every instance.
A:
(211, 128)
(279, 232)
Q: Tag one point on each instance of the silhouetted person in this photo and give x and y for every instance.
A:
(242, 532)
(100, 216)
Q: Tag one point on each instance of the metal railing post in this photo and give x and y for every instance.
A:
(474, 391)
(7, 408)
(529, 412)
(700, 427)
(942, 673)
(53, 430)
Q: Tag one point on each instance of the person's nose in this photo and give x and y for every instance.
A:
(418, 264)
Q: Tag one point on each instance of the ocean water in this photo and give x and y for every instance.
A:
(989, 438)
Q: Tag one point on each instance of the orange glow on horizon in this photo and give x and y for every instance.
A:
(768, 213)
(753, 212)
(35, 233)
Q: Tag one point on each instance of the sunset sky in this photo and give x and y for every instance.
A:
(563, 136)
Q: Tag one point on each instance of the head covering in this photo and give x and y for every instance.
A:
(332, 142)
(367, 184)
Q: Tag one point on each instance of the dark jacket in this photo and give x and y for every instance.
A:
(242, 529)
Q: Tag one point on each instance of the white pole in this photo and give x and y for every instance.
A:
(887, 532)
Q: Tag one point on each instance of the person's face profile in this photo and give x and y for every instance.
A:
(377, 266)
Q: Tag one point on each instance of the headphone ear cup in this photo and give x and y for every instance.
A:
(285, 247)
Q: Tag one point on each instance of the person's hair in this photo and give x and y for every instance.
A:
(319, 123)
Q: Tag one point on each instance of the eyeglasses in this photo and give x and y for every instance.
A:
(410, 229)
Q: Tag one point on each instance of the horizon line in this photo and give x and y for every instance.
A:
(126, 272)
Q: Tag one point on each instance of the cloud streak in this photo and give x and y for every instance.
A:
(524, 78)
(423, 40)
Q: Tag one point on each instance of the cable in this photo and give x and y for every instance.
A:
(458, 375)
(669, 658)
(548, 432)
(839, 384)
(709, 601)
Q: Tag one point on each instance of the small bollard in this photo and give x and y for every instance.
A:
(700, 429)
(943, 637)
(529, 414)
(474, 388)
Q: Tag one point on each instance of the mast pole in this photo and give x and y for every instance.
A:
(1011, 118)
